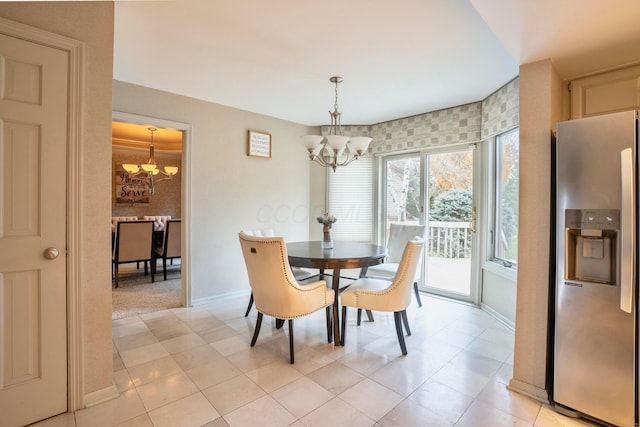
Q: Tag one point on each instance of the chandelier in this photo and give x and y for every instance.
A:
(150, 169)
(335, 149)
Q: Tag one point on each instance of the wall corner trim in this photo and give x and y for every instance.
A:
(530, 390)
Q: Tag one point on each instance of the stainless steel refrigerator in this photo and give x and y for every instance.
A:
(595, 348)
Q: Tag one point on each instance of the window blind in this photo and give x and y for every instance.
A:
(351, 200)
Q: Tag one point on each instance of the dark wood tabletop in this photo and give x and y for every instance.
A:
(343, 255)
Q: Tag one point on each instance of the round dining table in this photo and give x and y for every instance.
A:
(343, 255)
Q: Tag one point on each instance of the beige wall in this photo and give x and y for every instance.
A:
(92, 23)
(228, 190)
(540, 106)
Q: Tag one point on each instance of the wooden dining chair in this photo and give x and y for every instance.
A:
(133, 243)
(380, 295)
(171, 246)
(276, 292)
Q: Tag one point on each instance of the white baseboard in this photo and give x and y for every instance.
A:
(100, 396)
(222, 297)
(498, 316)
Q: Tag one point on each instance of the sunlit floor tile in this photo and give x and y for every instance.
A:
(143, 354)
(443, 401)
(274, 375)
(196, 356)
(409, 413)
(139, 421)
(155, 369)
(129, 342)
(337, 413)
(182, 343)
(191, 411)
(264, 411)
(461, 379)
(233, 394)
(371, 398)
(336, 377)
(302, 396)
(252, 358)
(213, 373)
(481, 414)
(497, 395)
(231, 345)
(195, 366)
(166, 390)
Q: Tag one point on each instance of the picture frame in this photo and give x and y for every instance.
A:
(259, 144)
(130, 191)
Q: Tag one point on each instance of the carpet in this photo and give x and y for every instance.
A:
(137, 295)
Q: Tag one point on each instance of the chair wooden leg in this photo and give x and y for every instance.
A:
(116, 273)
(329, 324)
(396, 318)
(249, 306)
(344, 325)
(405, 321)
(257, 330)
(164, 267)
(291, 341)
(415, 289)
(359, 317)
(369, 315)
(279, 323)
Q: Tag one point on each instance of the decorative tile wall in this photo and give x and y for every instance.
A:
(501, 110)
(468, 123)
(444, 127)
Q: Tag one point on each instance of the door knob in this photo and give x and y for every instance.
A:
(51, 253)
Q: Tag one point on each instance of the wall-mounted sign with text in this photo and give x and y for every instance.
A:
(259, 144)
(131, 191)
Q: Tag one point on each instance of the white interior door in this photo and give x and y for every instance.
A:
(33, 140)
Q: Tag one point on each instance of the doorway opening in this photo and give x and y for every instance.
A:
(159, 199)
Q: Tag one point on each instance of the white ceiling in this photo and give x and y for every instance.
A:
(397, 58)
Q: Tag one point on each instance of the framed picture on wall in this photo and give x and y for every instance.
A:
(259, 144)
(130, 191)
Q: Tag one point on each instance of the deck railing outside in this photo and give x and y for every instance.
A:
(449, 239)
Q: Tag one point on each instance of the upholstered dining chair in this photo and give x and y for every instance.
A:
(399, 235)
(380, 295)
(171, 246)
(298, 272)
(276, 292)
(133, 243)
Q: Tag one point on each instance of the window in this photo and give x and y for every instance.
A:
(351, 200)
(505, 237)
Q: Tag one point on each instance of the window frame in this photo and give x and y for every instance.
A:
(498, 192)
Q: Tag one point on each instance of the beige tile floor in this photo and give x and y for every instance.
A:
(194, 367)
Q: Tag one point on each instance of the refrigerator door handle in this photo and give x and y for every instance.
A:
(627, 231)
